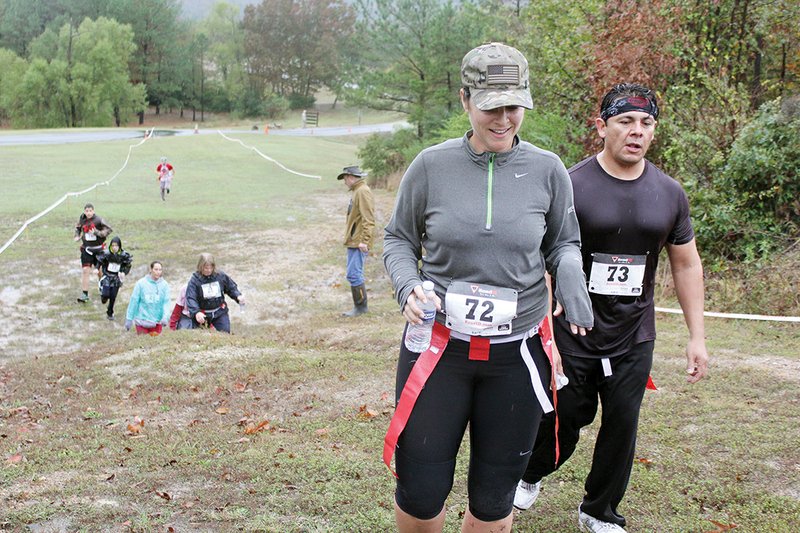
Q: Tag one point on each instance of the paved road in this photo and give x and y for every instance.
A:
(78, 136)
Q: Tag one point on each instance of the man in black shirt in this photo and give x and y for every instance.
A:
(628, 211)
(91, 231)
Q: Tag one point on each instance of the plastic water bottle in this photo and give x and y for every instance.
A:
(418, 336)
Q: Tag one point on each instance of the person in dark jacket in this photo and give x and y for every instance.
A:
(205, 295)
(114, 264)
(91, 231)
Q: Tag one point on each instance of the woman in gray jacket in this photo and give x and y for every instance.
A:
(493, 214)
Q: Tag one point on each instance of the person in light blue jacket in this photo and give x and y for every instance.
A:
(148, 309)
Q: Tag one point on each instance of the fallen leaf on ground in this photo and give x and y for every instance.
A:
(222, 410)
(365, 414)
(136, 426)
(163, 495)
(14, 459)
(721, 528)
(22, 410)
(253, 428)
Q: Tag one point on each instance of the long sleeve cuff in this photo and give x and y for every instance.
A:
(572, 293)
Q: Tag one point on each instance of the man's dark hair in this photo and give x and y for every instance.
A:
(625, 90)
(88, 206)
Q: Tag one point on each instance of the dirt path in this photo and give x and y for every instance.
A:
(282, 270)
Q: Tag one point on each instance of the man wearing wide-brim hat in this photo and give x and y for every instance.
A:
(358, 235)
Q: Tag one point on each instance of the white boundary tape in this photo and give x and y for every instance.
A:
(33, 219)
(269, 158)
(735, 315)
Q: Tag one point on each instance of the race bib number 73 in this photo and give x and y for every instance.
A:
(617, 274)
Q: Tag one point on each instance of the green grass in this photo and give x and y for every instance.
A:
(71, 383)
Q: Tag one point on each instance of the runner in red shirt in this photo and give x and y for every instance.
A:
(164, 174)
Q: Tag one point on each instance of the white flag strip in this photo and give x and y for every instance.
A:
(268, 158)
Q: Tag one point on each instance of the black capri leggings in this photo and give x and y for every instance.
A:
(497, 399)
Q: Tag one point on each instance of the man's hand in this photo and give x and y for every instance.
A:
(696, 361)
(77, 238)
(363, 247)
(200, 317)
(574, 328)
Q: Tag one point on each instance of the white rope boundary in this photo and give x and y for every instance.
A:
(735, 315)
(147, 135)
(269, 158)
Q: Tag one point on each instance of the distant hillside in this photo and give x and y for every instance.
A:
(199, 9)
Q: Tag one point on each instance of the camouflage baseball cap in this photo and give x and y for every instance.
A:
(496, 75)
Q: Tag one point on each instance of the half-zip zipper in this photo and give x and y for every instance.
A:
(489, 187)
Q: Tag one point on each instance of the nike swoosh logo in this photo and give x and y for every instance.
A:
(524, 453)
(520, 175)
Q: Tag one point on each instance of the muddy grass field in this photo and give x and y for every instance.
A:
(279, 427)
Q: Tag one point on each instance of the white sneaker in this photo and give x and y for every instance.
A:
(526, 494)
(593, 525)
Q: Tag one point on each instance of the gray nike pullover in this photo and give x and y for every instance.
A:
(488, 218)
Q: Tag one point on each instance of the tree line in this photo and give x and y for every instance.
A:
(726, 72)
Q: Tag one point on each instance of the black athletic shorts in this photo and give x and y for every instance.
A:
(496, 399)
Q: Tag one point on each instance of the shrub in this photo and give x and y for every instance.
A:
(275, 105)
(763, 170)
(739, 170)
(384, 154)
(748, 207)
(301, 101)
(249, 105)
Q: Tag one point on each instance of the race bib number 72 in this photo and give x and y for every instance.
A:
(617, 274)
(479, 309)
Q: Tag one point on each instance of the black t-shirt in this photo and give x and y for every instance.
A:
(629, 222)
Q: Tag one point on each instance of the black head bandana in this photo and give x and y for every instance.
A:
(630, 103)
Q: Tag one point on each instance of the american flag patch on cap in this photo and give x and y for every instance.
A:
(502, 75)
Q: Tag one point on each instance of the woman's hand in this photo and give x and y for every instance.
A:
(411, 311)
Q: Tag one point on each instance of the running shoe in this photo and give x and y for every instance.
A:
(109, 317)
(526, 494)
(593, 525)
(83, 298)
